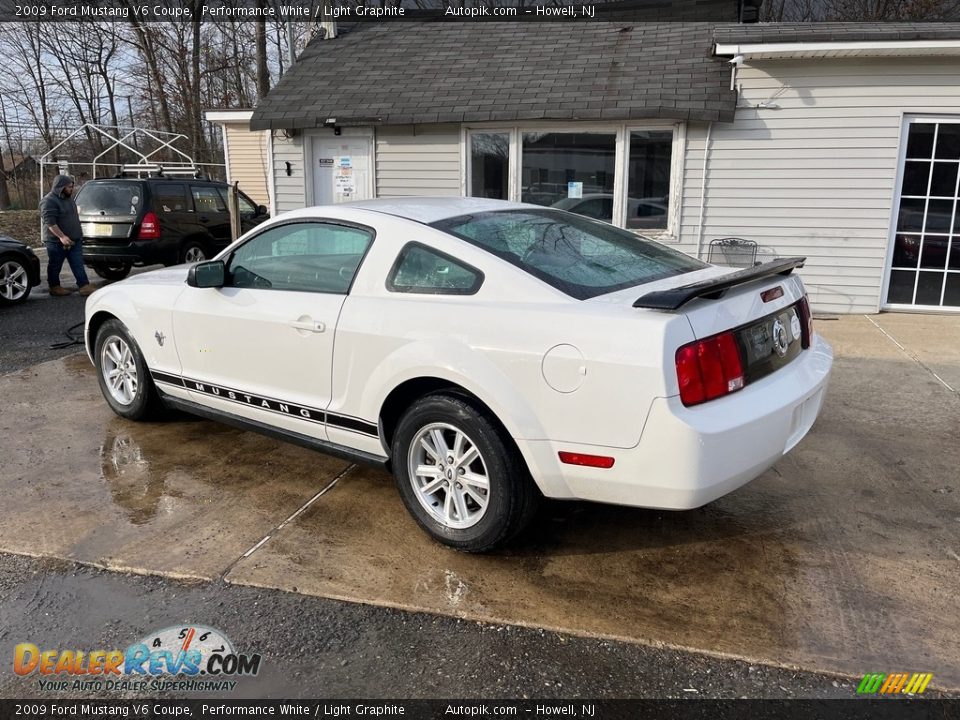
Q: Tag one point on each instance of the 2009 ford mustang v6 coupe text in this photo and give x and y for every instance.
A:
(488, 353)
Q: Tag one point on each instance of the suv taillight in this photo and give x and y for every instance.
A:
(709, 368)
(149, 227)
(806, 320)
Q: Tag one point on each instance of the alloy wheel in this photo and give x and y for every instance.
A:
(119, 370)
(13, 281)
(449, 475)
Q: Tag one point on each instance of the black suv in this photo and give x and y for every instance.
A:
(145, 221)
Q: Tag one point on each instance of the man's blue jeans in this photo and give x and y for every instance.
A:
(57, 253)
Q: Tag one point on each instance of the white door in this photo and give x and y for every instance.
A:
(261, 346)
(341, 169)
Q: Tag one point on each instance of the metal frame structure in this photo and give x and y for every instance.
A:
(127, 137)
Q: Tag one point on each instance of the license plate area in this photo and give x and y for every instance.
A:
(769, 343)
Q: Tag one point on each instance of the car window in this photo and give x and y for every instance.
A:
(170, 198)
(305, 256)
(206, 199)
(419, 269)
(109, 198)
(578, 256)
(246, 206)
(598, 208)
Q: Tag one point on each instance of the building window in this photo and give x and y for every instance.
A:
(567, 170)
(648, 180)
(489, 165)
(925, 267)
(621, 175)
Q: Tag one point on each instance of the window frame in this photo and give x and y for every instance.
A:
(670, 234)
(907, 120)
(230, 252)
(472, 290)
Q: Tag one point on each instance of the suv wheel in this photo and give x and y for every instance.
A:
(112, 271)
(192, 251)
(460, 478)
(14, 281)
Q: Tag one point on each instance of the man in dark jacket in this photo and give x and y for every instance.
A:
(63, 236)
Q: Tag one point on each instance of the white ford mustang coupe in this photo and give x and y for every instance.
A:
(487, 353)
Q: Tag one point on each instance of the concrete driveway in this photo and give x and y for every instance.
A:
(845, 557)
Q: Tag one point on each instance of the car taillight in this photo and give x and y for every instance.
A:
(149, 227)
(709, 368)
(806, 320)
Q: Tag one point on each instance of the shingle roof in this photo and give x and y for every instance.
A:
(412, 72)
(835, 32)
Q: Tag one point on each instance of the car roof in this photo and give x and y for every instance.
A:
(433, 209)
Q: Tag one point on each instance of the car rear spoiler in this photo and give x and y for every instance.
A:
(715, 287)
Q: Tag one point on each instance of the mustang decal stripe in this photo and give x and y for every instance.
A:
(355, 424)
(167, 378)
(279, 407)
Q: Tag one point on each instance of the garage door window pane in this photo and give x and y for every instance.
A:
(944, 180)
(911, 215)
(929, 286)
(648, 180)
(948, 141)
(916, 177)
(951, 296)
(553, 160)
(920, 141)
(901, 287)
(489, 165)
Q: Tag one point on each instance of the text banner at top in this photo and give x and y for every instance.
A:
(345, 11)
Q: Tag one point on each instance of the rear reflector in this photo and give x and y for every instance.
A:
(709, 368)
(597, 461)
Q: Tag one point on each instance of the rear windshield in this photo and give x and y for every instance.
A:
(109, 199)
(579, 256)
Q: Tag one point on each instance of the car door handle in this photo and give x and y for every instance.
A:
(308, 325)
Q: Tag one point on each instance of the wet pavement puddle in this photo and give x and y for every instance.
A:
(841, 558)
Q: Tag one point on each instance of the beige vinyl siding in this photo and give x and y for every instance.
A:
(290, 189)
(815, 176)
(248, 155)
(418, 160)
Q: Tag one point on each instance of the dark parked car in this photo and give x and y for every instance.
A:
(145, 221)
(19, 271)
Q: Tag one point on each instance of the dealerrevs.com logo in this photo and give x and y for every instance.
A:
(894, 683)
(181, 658)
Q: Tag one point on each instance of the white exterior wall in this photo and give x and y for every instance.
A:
(247, 160)
(291, 192)
(816, 176)
(418, 160)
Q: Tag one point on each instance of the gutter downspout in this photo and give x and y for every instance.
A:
(703, 190)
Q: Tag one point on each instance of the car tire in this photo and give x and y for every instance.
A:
(449, 500)
(193, 251)
(123, 373)
(112, 271)
(15, 284)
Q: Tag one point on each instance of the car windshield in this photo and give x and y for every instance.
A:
(576, 255)
(109, 199)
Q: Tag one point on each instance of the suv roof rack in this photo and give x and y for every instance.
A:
(140, 170)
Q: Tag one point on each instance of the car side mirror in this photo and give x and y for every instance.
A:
(261, 210)
(207, 274)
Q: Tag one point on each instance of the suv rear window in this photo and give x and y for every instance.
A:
(104, 198)
(576, 255)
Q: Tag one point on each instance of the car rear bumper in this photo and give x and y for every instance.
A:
(688, 457)
(136, 252)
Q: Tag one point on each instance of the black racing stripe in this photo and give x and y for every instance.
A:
(167, 378)
(269, 404)
(355, 424)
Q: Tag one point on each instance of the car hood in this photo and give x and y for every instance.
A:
(176, 275)
(9, 242)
